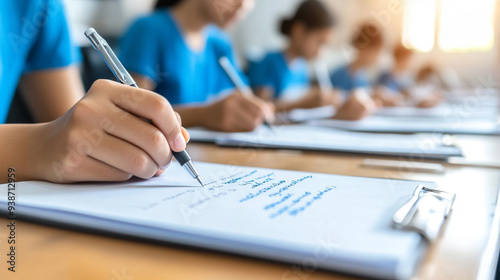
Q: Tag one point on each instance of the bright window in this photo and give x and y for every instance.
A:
(464, 25)
(419, 24)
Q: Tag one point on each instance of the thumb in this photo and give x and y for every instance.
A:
(185, 134)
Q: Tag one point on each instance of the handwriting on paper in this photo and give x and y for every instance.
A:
(282, 196)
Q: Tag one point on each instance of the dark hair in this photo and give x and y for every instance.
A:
(312, 13)
(160, 4)
(401, 52)
(368, 36)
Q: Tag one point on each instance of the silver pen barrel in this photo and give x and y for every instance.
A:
(114, 64)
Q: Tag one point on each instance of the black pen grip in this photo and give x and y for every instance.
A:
(181, 157)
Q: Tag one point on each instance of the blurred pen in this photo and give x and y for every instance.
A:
(404, 165)
(324, 81)
(103, 48)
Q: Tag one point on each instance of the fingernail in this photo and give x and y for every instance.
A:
(179, 143)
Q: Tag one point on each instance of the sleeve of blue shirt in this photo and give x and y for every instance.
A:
(341, 79)
(52, 47)
(139, 49)
(387, 80)
(344, 80)
(258, 74)
(361, 80)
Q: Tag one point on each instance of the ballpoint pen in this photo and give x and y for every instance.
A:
(103, 48)
(235, 78)
(324, 81)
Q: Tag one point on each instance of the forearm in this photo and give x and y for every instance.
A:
(284, 106)
(310, 100)
(50, 93)
(18, 151)
(192, 116)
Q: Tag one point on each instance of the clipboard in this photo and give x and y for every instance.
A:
(342, 223)
(425, 212)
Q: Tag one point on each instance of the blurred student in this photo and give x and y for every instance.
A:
(428, 89)
(175, 51)
(353, 79)
(400, 86)
(95, 139)
(394, 86)
(283, 76)
(368, 42)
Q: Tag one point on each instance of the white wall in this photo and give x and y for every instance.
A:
(260, 29)
(109, 17)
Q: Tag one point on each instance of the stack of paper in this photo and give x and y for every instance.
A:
(452, 125)
(301, 137)
(443, 112)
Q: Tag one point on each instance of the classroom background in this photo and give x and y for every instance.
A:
(459, 38)
(466, 51)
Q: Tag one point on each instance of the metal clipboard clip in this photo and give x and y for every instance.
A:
(424, 212)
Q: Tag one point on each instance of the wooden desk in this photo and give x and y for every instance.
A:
(51, 253)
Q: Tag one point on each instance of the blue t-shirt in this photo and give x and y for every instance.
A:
(395, 83)
(387, 79)
(35, 37)
(155, 47)
(344, 80)
(273, 71)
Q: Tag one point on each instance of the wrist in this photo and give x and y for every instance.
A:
(21, 152)
(44, 151)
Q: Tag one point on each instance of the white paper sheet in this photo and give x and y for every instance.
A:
(302, 115)
(444, 111)
(303, 137)
(452, 125)
(332, 222)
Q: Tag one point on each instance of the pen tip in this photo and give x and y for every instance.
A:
(269, 127)
(201, 183)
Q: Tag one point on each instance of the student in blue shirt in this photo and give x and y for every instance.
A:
(276, 77)
(175, 51)
(398, 86)
(394, 86)
(91, 138)
(283, 76)
(399, 79)
(368, 42)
